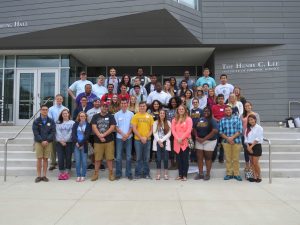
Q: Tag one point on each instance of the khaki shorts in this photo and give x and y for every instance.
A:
(43, 152)
(104, 150)
(206, 145)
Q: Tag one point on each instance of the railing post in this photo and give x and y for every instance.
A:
(270, 160)
(5, 159)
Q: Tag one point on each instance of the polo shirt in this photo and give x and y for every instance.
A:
(208, 80)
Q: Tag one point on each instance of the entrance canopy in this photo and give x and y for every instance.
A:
(127, 56)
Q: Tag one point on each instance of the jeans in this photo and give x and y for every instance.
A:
(80, 158)
(183, 162)
(120, 145)
(64, 155)
(162, 154)
(142, 158)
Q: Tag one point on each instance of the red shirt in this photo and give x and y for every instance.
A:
(106, 97)
(127, 96)
(218, 111)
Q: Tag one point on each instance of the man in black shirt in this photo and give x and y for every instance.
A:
(103, 124)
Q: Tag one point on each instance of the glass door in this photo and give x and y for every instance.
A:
(34, 88)
(26, 99)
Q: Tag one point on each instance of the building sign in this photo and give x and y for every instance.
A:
(242, 67)
(14, 24)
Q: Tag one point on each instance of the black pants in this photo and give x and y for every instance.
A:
(64, 155)
(172, 153)
(221, 154)
(183, 162)
(246, 154)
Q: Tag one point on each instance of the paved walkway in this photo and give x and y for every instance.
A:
(149, 202)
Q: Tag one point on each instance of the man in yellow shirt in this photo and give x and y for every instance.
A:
(142, 128)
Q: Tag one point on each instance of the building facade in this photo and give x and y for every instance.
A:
(45, 44)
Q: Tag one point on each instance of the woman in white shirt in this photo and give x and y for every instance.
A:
(254, 136)
(236, 106)
(161, 143)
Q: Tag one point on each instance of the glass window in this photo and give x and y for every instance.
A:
(10, 61)
(8, 94)
(94, 72)
(64, 84)
(38, 61)
(65, 61)
(1, 83)
(189, 3)
(1, 61)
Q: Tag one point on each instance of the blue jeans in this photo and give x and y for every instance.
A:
(142, 158)
(162, 154)
(80, 158)
(120, 145)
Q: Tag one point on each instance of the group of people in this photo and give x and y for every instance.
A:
(141, 116)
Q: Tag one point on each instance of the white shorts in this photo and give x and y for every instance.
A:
(206, 145)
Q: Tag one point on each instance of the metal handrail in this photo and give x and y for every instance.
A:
(290, 103)
(13, 138)
(270, 160)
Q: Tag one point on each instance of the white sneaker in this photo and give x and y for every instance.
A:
(78, 179)
(82, 179)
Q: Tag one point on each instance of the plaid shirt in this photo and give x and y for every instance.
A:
(229, 126)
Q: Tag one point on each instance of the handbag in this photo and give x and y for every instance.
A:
(249, 173)
(191, 143)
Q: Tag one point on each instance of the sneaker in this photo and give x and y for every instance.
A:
(199, 176)
(221, 160)
(82, 179)
(45, 179)
(130, 177)
(148, 177)
(38, 179)
(137, 177)
(61, 176)
(67, 175)
(206, 177)
(52, 168)
(251, 179)
(238, 178)
(227, 177)
(91, 167)
(78, 179)
(102, 167)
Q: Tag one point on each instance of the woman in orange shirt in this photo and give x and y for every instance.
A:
(181, 129)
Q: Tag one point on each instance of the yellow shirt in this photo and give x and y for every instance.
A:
(143, 124)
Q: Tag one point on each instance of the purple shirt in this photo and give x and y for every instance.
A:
(90, 99)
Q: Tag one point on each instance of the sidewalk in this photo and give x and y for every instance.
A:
(154, 202)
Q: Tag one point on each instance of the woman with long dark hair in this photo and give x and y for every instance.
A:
(125, 80)
(253, 139)
(154, 109)
(205, 131)
(161, 143)
(174, 102)
(181, 129)
(247, 111)
(188, 98)
(211, 98)
(183, 88)
(173, 86)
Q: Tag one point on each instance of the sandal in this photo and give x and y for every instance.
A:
(166, 177)
(158, 177)
(178, 178)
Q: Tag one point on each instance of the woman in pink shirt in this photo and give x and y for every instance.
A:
(181, 129)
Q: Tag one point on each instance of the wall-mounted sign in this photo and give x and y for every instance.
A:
(14, 24)
(241, 67)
